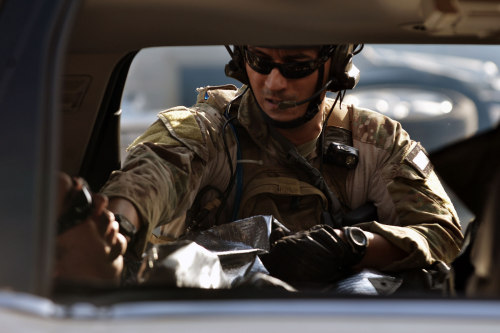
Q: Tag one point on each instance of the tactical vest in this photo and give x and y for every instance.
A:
(284, 191)
(273, 187)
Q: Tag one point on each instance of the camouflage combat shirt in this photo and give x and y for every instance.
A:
(184, 153)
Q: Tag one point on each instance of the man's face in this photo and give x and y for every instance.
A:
(273, 88)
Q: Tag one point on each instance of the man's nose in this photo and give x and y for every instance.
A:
(275, 80)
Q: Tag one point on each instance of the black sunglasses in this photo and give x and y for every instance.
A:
(289, 70)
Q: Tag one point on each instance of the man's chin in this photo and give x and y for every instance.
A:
(282, 116)
(273, 111)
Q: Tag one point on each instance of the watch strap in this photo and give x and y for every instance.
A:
(127, 228)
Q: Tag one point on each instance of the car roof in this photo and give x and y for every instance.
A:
(102, 24)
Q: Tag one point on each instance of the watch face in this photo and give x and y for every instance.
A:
(358, 237)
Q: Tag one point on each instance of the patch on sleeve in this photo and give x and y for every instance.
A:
(156, 133)
(419, 160)
(181, 124)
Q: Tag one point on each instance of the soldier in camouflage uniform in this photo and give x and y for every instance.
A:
(261, 149)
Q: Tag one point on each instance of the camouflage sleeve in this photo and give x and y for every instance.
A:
(415, 212)
(167, 165)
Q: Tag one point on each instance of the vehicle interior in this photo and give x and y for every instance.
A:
(74, 111)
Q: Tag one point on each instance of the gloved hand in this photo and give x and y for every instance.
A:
(278, 232)
(317, 255)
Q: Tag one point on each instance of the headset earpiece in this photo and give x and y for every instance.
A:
(235, 68)
(343, 73)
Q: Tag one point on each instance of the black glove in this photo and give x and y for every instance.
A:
(317, 255)
(278, 232)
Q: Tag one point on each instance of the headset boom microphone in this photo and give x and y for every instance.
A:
(290, 104)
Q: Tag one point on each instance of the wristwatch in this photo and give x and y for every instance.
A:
(358, 242)
(127, 228)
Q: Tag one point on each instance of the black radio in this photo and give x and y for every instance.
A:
(341, 155)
